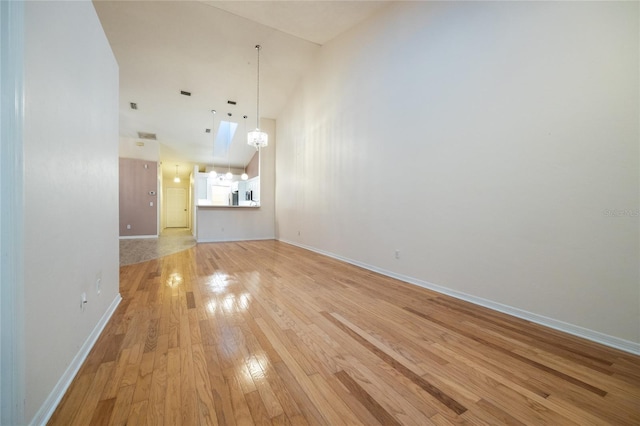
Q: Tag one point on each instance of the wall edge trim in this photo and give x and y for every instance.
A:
(232, 240)
(51, 403)
(575, 330)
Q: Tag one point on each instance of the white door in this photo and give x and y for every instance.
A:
(176, 208)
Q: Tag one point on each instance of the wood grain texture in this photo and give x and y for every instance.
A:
(366, 400)
(261, 332)
(521, 358)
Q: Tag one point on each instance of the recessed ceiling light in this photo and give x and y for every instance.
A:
(140, 143)
(182, 92)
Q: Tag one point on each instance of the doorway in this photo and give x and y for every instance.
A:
(176, 208)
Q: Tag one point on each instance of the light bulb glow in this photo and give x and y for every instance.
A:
(177, 178)
(258, 138)
(244, 176)
(229, 175)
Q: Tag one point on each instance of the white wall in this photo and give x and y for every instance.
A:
(71, 191)
(231, 224)
(129, 148)
(486, 141)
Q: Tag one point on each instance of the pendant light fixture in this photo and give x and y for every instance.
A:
(258, 138)
(213, 173)
(244, 175)
(177, 178)
(229, 175)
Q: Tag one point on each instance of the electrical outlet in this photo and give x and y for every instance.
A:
(128, 226)
(397, 254)
(83, 301)
(99, 285)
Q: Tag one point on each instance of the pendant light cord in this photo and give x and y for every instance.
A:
(258, 47)
(245, 132)
(213, 137)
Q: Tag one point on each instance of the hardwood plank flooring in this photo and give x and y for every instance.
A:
(265, 333)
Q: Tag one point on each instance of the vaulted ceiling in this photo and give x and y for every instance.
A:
(206, 48)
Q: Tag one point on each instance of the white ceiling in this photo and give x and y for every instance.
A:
(207, 48)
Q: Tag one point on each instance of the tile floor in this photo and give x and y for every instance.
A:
(171, 240)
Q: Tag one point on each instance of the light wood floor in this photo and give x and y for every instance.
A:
(267, 333)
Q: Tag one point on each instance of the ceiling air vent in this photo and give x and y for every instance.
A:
(182, 92)
(149, 136)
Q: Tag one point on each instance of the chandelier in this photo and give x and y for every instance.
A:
(258, 138)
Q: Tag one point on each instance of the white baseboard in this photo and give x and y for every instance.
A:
(136, 237)
(231, 240)
(594, 336)
(51, 403)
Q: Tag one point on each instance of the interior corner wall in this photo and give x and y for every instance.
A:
(12, 369)
(71, 191)
(253, 167)
(494, 144)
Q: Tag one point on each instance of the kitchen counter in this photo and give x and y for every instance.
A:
(205, 206)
